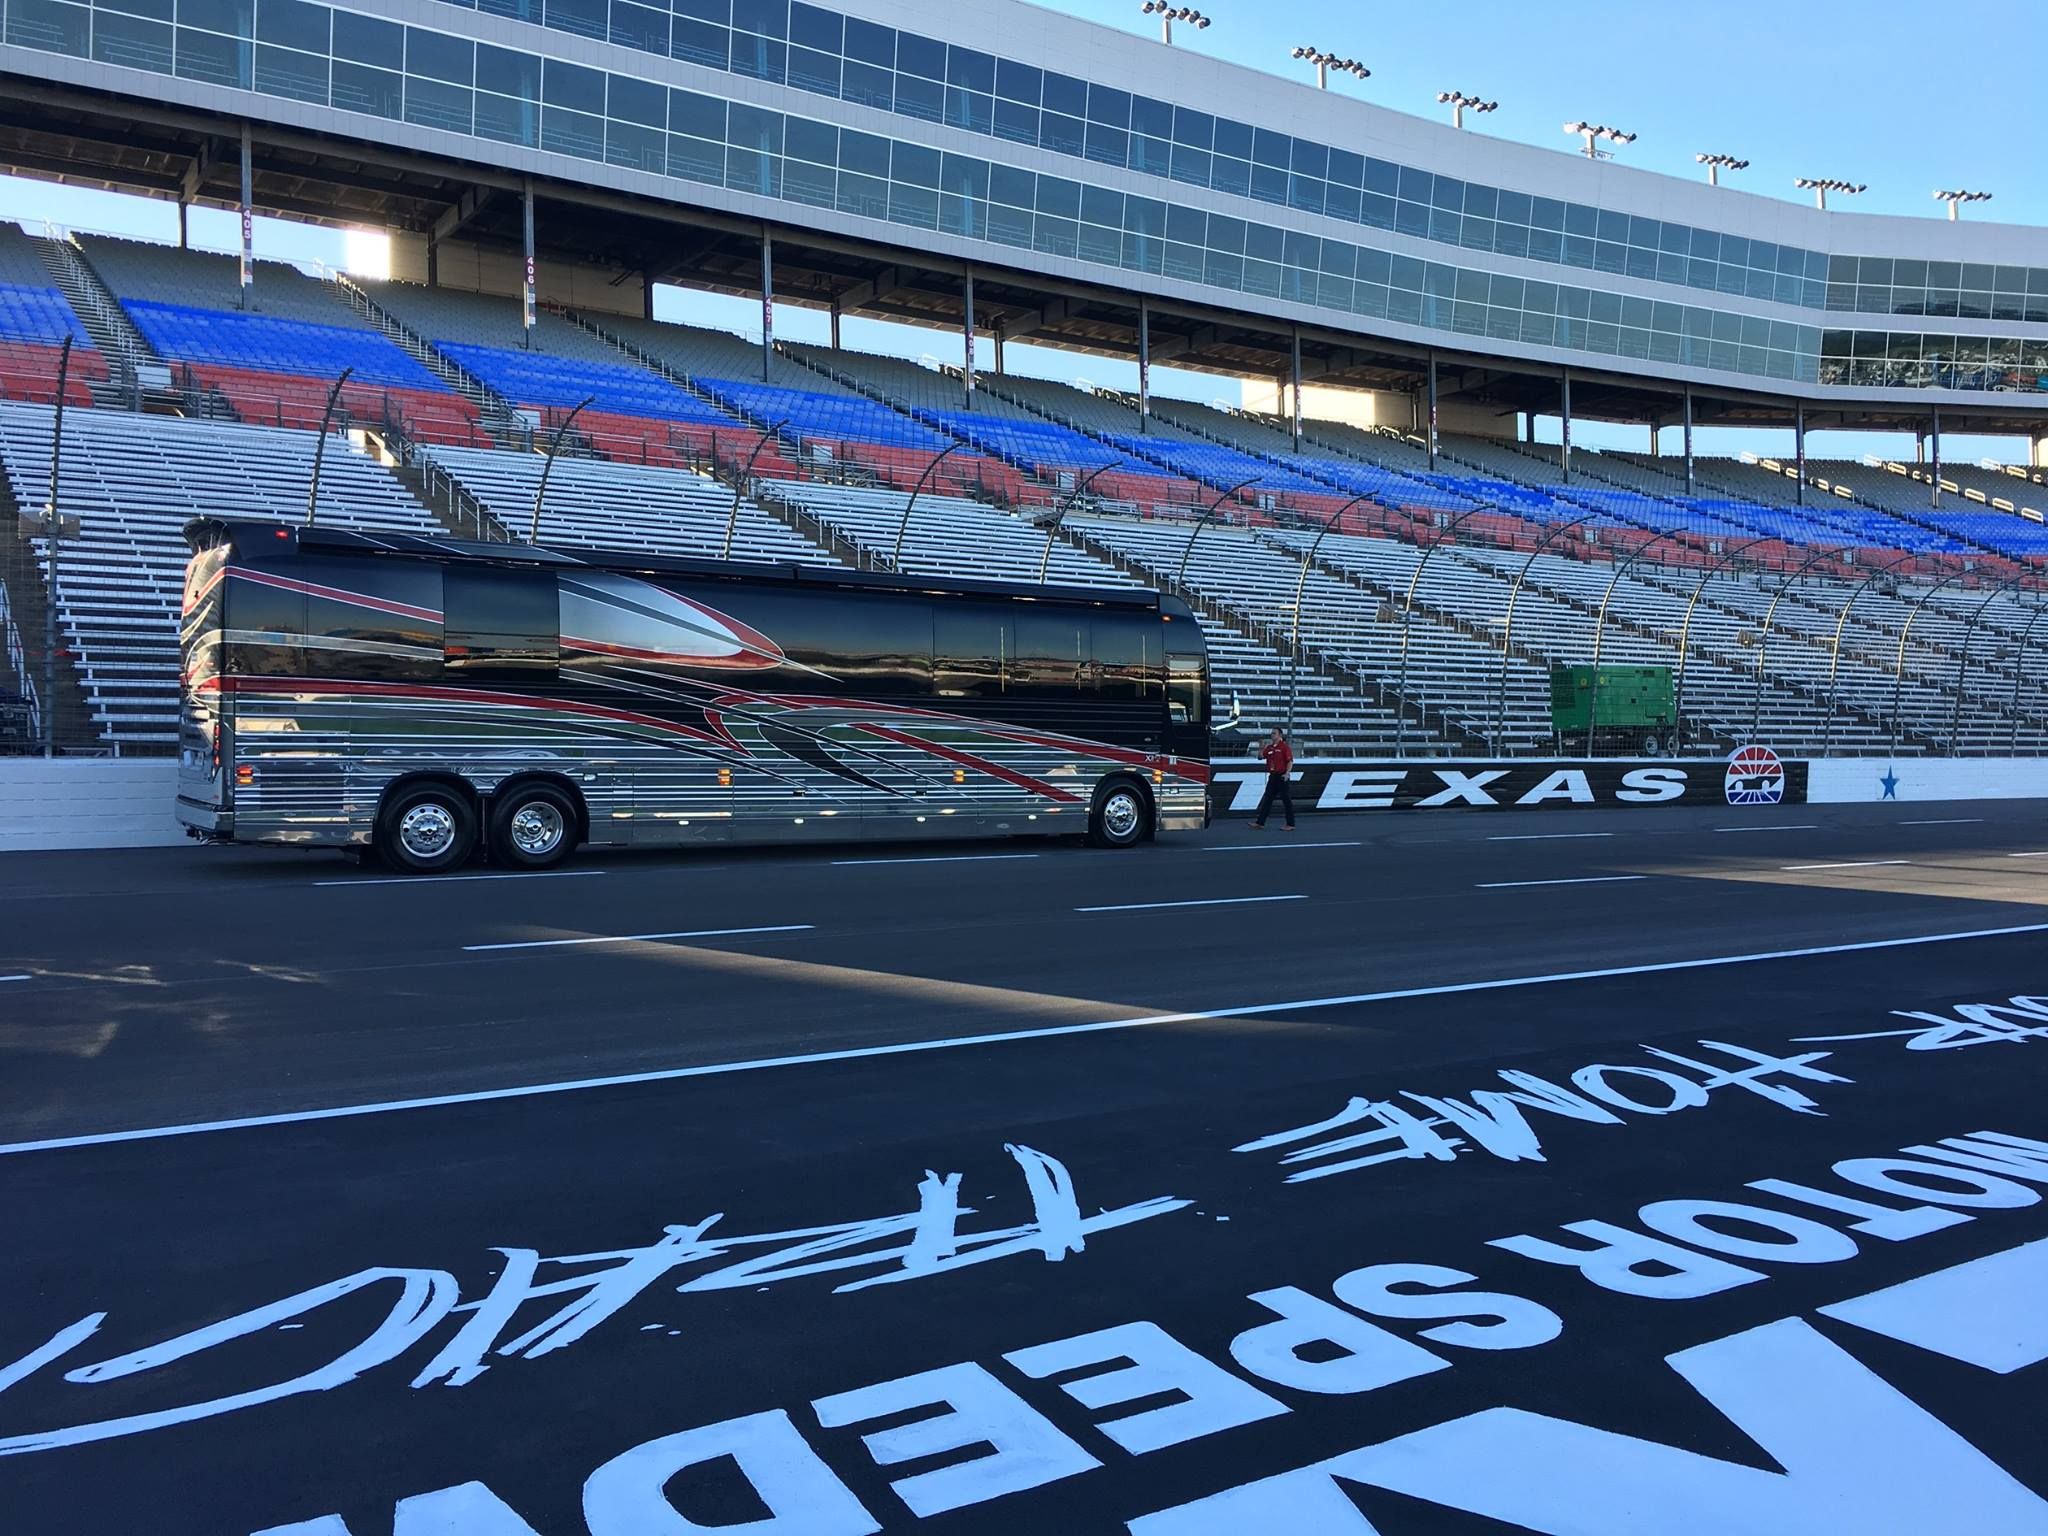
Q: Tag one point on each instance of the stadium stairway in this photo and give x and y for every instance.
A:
(113, 334)
(36, 318)
(498, 424)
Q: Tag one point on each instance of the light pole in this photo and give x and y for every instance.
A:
(1956, 199)
(1459, 102)
(1716, 164)
(1169, 14)
(1821, 186)
(1325, 61)
(1590, 132)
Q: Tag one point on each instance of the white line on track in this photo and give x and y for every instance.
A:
(2043, 854)
(1946, 821)
(532, 874)
(637, 938)
(1214, 901)
(940, 858)
(1848, 864)
(1269, 847)
(1794, 826)
(1544, 837)
(17, 978)
(1513, 885)
(961, 1042)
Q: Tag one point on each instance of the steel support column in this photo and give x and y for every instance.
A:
(1763, 645)
(739, 484)
(835, 332)
(1432, 411)
(1180, 571)
(527, 293)
(1726, 560)
(1827, 735)
(540, 492)
(767, 301)
(1621, 569)
(53, 531)
(1144, 366)
(248, 225)
(320, 444)
(1564, 449)
(1934, 447)
(2019, 673)
(1408, 622)
(967, 341)
(1799, 452)
(1294, 382)
(1060, 514)
(1899, 669)
(1688, 443)
(896, 552)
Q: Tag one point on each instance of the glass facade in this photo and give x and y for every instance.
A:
(297, 50)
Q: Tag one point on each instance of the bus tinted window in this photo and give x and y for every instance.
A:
(501, 624)
(1126, 651)
(1052, 652)
(971, 649)
(398, 640)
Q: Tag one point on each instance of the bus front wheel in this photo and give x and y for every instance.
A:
(426, 829)
(533, 826)
(1117, 819)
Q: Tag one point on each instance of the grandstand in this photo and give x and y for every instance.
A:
(1401, 587)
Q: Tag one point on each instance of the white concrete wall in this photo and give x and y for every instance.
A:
(1861, 780)
(82, 802)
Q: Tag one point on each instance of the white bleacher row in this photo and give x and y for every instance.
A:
(133, 482)
(596, 503)
(950, 536)
(1252, 577)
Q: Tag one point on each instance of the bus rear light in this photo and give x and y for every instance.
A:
(216, 749)
(725, 778)
(245, 776)
(1158, 777)
(959, 775)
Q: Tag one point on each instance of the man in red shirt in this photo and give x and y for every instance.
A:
(1279, 761)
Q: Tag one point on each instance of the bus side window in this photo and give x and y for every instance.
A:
(1186, 701)
(1125, 647)
(505, 626)
(1052, 653)
(972, 650)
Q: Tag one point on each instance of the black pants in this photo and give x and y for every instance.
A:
(1276, 785)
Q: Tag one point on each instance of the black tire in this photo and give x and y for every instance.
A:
(427, 829)
(1120, 815)
(533, 826)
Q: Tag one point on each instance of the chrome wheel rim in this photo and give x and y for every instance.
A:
(427, 830)
(1121, 815)
(537, 828)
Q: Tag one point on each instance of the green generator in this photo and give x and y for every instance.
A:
(1636, 710)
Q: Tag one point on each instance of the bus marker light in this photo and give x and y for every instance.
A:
(245, 776)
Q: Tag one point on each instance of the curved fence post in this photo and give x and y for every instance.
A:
(1906, 634)
(1208, 512)
(1725, 562)
(1301, 586)
(896, 554)
(320, 443)
(1600, 635)
(1763, 646)
(1408, 622)
(2019, 672)
(1507, 634)
(739, 484)
(1060, 514)
(1827, 735)
(1955, 719)
(540, 492)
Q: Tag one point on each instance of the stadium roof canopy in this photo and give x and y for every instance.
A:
(1376, 239)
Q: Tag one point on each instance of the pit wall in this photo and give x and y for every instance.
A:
(127, 803)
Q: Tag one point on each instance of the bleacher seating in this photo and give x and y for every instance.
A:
(596, 503)
(133, 482)
(35, 317)
(275, 362)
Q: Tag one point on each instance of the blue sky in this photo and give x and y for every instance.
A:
(1858, 89)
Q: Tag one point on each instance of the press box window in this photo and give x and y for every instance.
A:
(501, 625)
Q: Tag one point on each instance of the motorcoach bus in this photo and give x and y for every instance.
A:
(423, 698)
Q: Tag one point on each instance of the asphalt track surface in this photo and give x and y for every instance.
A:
(1054, 1190)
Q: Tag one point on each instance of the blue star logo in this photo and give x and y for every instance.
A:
(1890, 781)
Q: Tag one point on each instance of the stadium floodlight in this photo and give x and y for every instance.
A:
(1716, 164)
(1169, 14)
(1821, 186)
(1592, 131)
(1325, 62)
(1458, 101)
(1956, 199)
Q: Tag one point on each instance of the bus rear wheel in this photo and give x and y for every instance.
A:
(1117, 819)
(427, 829)
(533, 826)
